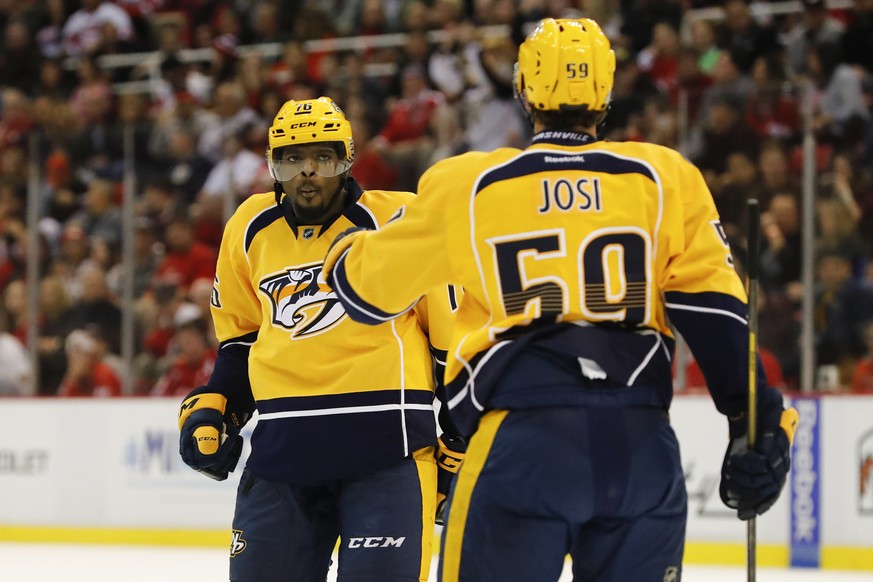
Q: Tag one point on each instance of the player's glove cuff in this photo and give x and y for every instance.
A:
(449, 455)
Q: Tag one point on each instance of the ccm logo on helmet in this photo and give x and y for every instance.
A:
(379, 542)
(302, 124)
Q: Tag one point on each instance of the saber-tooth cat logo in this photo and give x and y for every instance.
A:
(299, 303)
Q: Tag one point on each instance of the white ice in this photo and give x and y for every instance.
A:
(92, 563)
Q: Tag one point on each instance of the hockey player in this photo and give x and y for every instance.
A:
(344, 445)
(573, 254)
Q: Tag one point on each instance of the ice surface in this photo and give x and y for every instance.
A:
(91, 563)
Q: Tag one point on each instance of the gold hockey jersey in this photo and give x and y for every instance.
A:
(335, 398)
(581, 246)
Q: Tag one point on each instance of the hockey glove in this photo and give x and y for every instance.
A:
(752, 479)
(449, 456)
(206, 442)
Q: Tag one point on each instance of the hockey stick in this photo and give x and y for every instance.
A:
(754, 252)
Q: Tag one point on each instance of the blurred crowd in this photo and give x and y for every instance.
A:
(728, 92)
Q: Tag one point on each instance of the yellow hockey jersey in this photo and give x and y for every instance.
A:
(578, 246)
(335, 398)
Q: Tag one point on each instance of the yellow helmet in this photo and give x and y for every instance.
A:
(565, 64)
(306, 122)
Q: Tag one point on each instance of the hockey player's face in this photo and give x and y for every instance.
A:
(314, 197)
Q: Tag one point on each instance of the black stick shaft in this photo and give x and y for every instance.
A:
(754, 248)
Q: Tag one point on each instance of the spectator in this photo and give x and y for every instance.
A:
(87, 374)
(704, 43)
(89, 30)
(371, 171)
(490, 118)
(15, 117)
(858, 38)
(691, 82)
(74, 258)
(200, 294)
(737, 186)
(724, 132)
(405, 140)
(192, 363)
(186, 259)
(775, 173)
(780, 257)
(232, 115)
(640, 18)
(862, 378)
(659, 59)
(728, 83)
(842, 111)
(16, 370)
(842, 309)
(629, 95)
(97, 310)
(185, 169)
(236, 176)
(772, 108)
(53, 327)
(745, 38)
(100, 216)
(19, 59)
(815, 27)
(147, 254)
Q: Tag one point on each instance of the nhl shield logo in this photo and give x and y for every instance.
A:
(865, 473)
(299, 303)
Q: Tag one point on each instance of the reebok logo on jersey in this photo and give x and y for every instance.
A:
(671, 574)
(376, 542)
(564, 159)
(299, 303)
(237, 543)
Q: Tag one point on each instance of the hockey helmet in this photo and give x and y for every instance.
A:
(307, 122)
(565, 64)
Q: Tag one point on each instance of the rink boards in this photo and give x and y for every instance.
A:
(108, 471)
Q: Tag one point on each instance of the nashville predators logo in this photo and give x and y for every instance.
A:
(299, 303)
(237, 543)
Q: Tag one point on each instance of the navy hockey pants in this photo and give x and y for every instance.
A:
(602, 485)
(385, 522)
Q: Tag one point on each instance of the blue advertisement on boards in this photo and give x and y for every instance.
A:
(805, 493)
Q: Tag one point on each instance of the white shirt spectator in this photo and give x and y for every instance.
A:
(82, 31)
(16, 372)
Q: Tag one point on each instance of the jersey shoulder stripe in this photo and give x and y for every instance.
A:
(535, 161)
(259, 223)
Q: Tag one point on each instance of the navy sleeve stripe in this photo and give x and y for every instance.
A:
(707, 302)
(244, 341)
(351, 400)
(709, 310)
(342, 404)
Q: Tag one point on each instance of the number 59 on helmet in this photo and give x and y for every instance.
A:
(565, 65)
